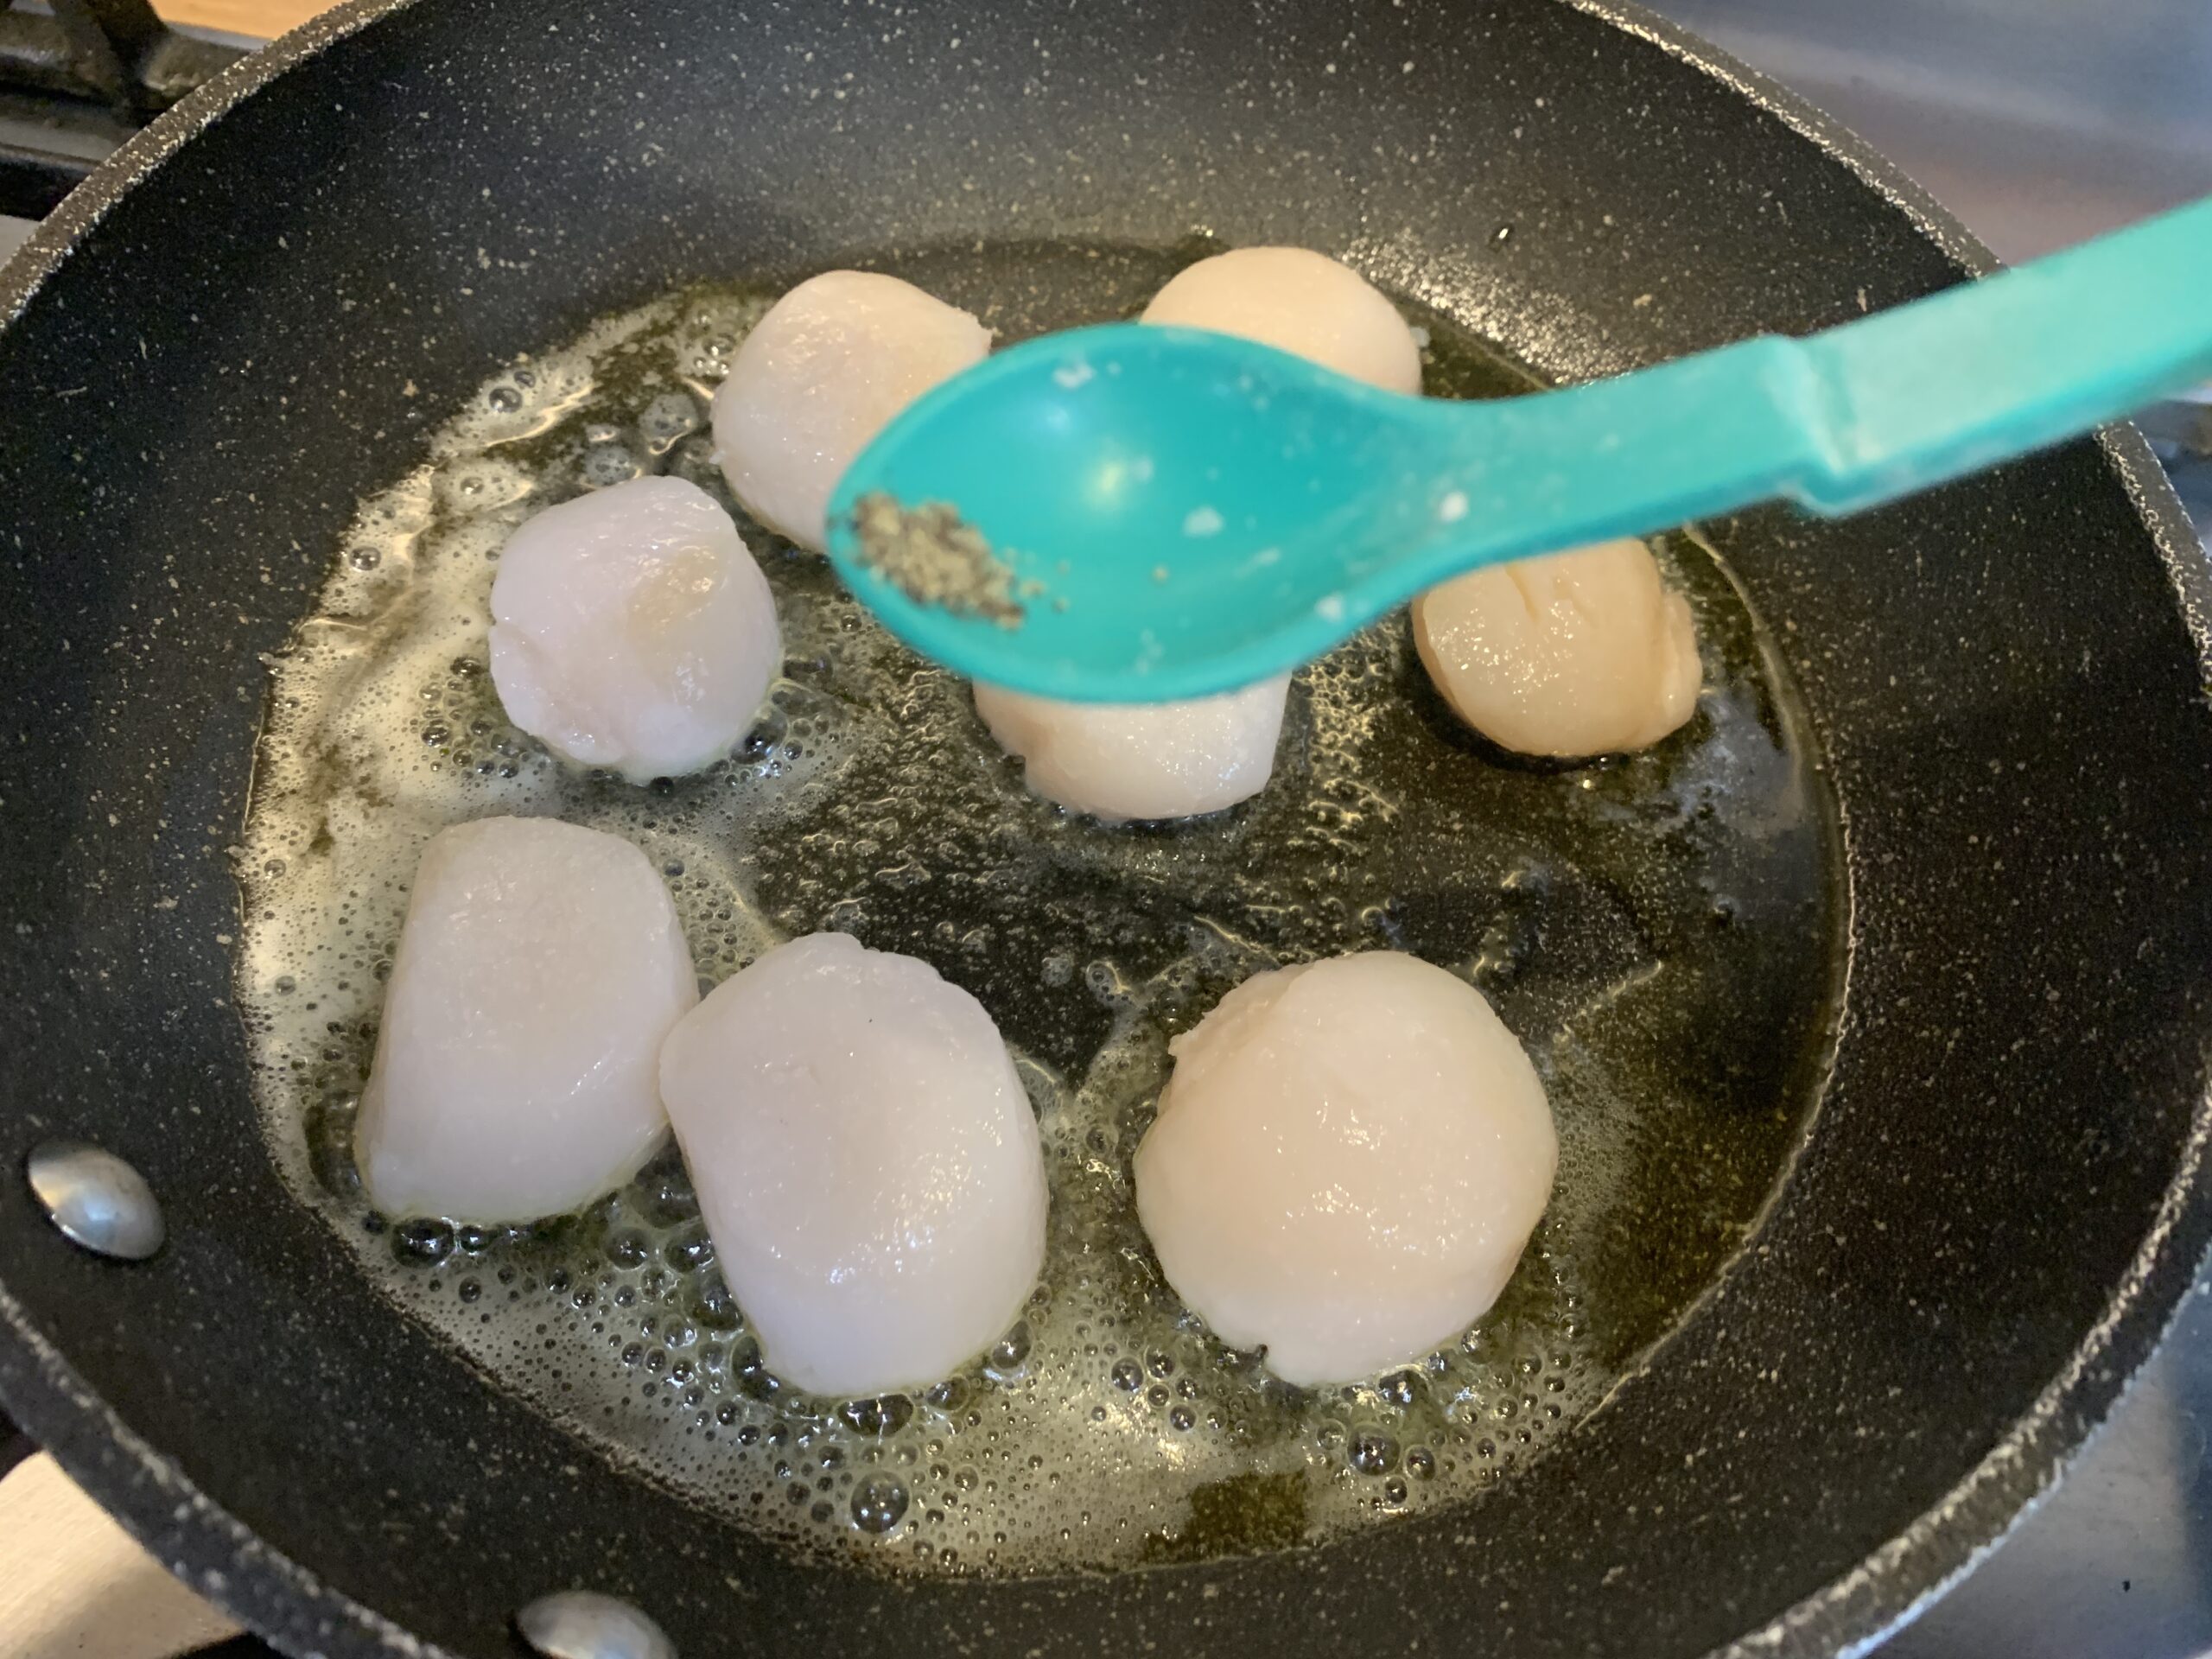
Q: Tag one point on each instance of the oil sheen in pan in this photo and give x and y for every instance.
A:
(1662, 932)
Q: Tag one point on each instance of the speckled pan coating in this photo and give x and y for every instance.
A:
(244, 322)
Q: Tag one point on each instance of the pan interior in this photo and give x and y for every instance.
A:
(1661, 931)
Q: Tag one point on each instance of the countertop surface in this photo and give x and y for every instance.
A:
(261, 19)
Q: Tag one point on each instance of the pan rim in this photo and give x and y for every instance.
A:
(205, 1545)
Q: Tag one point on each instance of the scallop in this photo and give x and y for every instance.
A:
(1296, 301)
(1141, 760)
(867, 1161)
(821, 375)
(1576, 654)
(1181, 760)
(540, 966)
(1348, 1159)
(632, 630)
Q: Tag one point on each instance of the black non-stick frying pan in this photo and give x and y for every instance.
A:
(245, 323)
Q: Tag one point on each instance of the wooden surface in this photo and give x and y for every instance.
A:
(74, 1587)
(260, 18)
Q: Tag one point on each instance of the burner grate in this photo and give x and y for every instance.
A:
(71, 64)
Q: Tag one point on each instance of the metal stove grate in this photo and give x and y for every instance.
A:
(76, 76)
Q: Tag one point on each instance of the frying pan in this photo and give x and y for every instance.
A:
(247, 320)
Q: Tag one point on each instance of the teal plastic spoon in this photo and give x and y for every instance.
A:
(1184, 512)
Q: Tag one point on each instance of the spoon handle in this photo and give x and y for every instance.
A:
(1993, 369)
(1844, 419)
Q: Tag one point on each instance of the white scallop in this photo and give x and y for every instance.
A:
(1178, 759)
(867, 1159)
(632, 630)
(540, 966)
(1575, 654)
(822, 374)
(1141, 760)
(1296, 301)
(1347, 1161)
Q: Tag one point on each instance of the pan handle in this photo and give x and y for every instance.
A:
(16, 1445)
